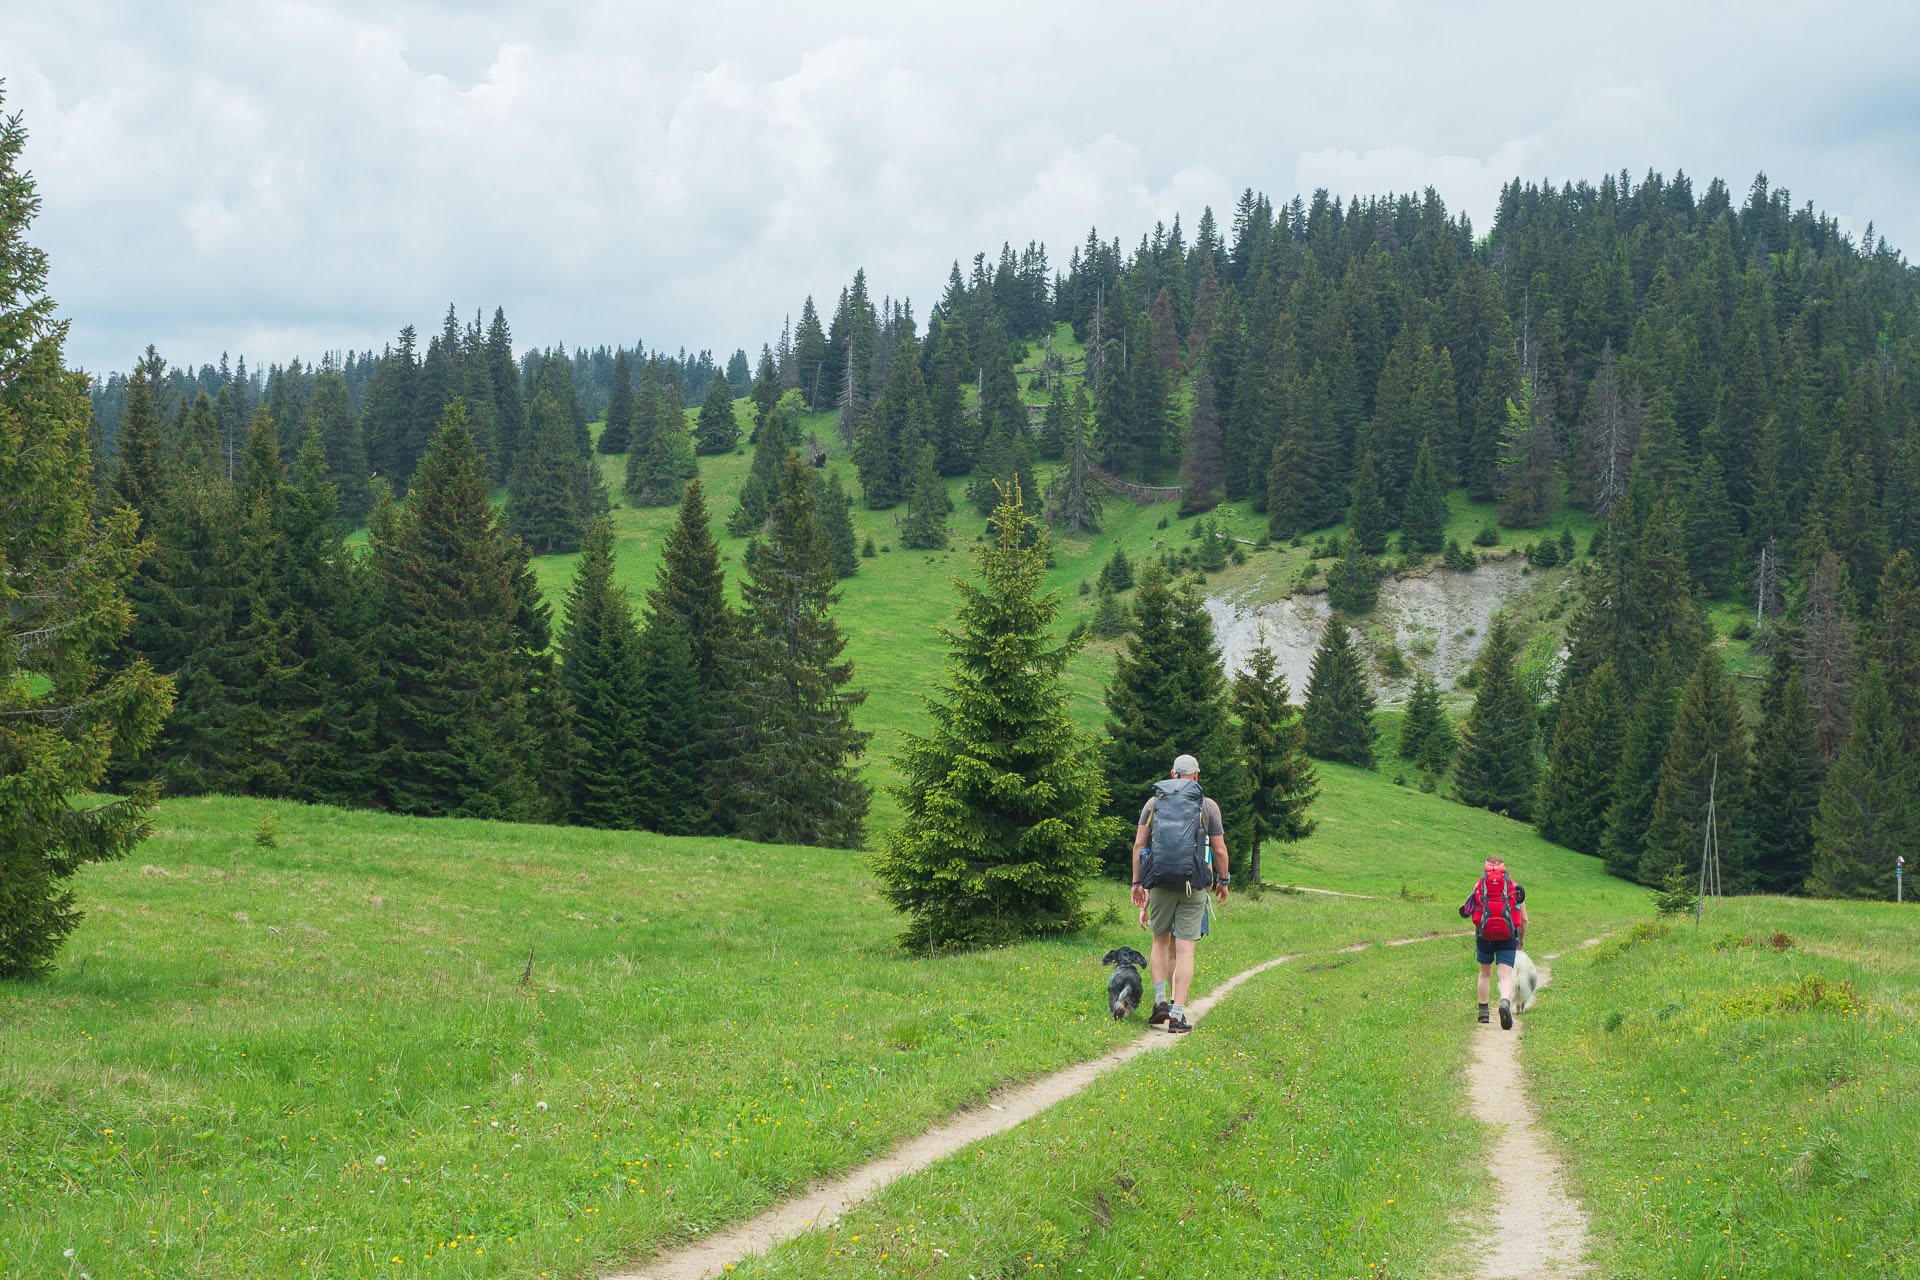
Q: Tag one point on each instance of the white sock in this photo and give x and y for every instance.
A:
(1159, 993)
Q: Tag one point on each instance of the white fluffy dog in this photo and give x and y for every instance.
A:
(1526, 981)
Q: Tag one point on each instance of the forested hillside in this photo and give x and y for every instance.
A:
(1729, 393)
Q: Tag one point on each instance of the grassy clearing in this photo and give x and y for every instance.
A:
(1308, 1129)
(1732, 1098)
(322, 1054)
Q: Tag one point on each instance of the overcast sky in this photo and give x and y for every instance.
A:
(282, 178)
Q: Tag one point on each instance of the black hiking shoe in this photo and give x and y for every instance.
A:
(1484, 1018)
(1178, 1026)
(1161, 1012)
(1506, 1015)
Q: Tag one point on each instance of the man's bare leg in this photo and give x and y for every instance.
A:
(1182, 970)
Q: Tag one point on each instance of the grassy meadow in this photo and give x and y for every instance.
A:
(1735, 1098)
(397, 1047)
(332, 1057)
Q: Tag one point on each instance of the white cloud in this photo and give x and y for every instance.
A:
(282, 176)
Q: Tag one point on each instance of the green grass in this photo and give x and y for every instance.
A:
(1309, 1129)
(711, 1025)
(1734, 1109)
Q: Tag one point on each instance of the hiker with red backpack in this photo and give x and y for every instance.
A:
(1499, 926)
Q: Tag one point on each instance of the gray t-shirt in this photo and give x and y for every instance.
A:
(1209, 815)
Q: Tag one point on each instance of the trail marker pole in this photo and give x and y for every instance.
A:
(1899, 863)
(1709, 849)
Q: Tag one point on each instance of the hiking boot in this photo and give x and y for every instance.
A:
(1161, 1012)
(1484, 1018)
(1506, 1015)
(1179, 1026)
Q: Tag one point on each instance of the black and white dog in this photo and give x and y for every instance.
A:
(1123, 988)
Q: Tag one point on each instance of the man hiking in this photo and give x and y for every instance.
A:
(1179, 852)
(1499, 925)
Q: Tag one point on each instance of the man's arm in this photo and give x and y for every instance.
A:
(1219, 843)
(1139, 894)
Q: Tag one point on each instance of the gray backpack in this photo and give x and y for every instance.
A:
(1177, 851)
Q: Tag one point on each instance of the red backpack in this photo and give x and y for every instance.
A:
(1496, 916)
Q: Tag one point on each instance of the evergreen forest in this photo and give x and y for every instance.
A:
(340, 572)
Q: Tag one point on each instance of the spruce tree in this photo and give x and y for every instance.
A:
(1495, 768)
(1869, 809)
(1425, 731)
(1783, 783)
(679, 727)
(792, 776)
(543, 495)
(1423, 526)
(1077, 501)
(647, 397)
(927, 506)
(836, 528)
(600, 668)
(1706, 759)
(1210, 733)
(330, 417)
(1202, 465)
(1582, 763)
(1117, 572)
(1712, 533)
(1643, 752)
(503, 379)
(1273, 741)
(1368, 514)
(1053, 427)
(455, 738)
(716, 431)
(659, 476)
(616, 436)
(1003, 799)
(1110, 618)
(1337, 717)
(1894, 642)
(548, 740)
(1145, 729)
(62, 612)
(137, 477)
(1353, 583)
(690, 589)
(758, 490)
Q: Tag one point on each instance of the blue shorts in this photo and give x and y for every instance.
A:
(1488, 952)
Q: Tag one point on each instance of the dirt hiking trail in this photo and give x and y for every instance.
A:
(824, 1204)
(1538, 1231)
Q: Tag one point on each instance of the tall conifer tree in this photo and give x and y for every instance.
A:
(1495, 768)
(1423, 527)
(616, 436)
(1583, 762)
(1783, 783)
(791, 778)
(62, 612)
(1869, 809)
(454, 729)
(1003, 798)
(1274, 741)
(1338, 714)
(600, 668)
(716, 431)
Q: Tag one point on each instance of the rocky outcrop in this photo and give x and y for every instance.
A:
(1438, 618)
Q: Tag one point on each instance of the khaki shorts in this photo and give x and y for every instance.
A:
(1176, 910)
